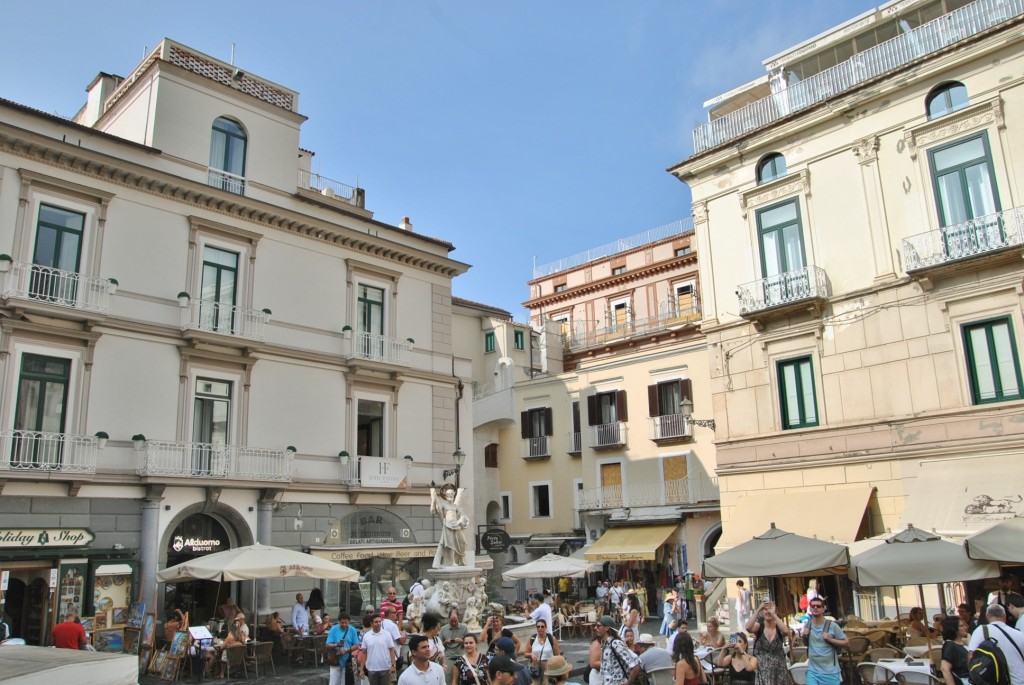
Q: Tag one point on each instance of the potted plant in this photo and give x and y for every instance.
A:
(5, 262)
(113, 285)
(346, 332)
(290, 448)
(183, 299)
(266, 314)
(139, 441)
(343, 457)
(101, 439)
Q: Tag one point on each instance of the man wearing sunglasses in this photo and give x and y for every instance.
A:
(824, 639)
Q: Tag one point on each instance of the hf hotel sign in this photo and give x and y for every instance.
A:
(16, 538)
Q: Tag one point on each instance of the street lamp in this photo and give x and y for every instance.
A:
(458, 456)
(687, 407)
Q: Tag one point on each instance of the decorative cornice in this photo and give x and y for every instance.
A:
(866, 149)
(984, 113)
(99, 166)
(797, 182)
(612, 281)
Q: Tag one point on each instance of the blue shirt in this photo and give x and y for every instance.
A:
(342, 640)
(821, 656)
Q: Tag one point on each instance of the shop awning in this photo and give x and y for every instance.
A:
(630, 543)
(957, 497)
(802, 513)
(113, 570)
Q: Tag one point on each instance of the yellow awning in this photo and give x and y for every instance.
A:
(630, 543)
(828, 515)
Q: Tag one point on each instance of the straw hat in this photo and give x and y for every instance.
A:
(557, 665)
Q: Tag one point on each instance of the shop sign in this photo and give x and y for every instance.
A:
(45, 537)
(376, 472)
(181, 543)
(353, 554)
(495, 540)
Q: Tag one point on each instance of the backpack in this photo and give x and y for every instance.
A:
(804, 602)
(988, 663)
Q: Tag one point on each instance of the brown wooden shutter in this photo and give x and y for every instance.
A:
(652, 401)
(620, 406)
(524, 424)
(593, 412)
(686, 389)
(548, 421)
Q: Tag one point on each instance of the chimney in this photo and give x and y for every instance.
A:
(406, 225)
(99, 90)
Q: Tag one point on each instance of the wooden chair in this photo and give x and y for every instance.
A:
(290, 647)
(853, 655)
(877, 653)
(874, 674)
(235, 660)
(315, 648)
(263, 653)
(879, 638)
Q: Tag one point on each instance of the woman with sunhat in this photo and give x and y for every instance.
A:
(668, 610)
(558, 670)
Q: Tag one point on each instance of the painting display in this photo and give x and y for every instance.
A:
(111, 640)
(131, 640)
(111, 590)
(119, 617)
(149, 629)
(72, 585)
(136, 615)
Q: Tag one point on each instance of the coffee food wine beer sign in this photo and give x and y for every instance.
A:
(45, 537)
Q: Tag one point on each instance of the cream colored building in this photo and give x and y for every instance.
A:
(203, 345)
(860, 248)
(591, 445)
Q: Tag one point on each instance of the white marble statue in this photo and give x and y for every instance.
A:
(447, 506)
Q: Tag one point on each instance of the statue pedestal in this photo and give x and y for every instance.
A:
(460, 588)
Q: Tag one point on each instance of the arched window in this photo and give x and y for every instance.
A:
(946, 98)
(770, 168)
(227, 156)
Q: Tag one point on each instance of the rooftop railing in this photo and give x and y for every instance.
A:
(327, 187)
(881, 59)
(969, 239)
(680, 227)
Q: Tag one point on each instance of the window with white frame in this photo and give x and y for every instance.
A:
(211, 425)
(577, 489)
(220, 274)
(57, 254)
(40, 408)
(993, 365)
(619, 314)
(370, 435)
(505, 500)
(519, 340)
(540, 499)
(218, 290)
(685, 299)
(228, 143)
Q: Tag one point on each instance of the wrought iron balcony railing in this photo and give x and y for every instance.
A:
(223, 318)
(573, 442)
(38, 451)
(690, 490)
(670, 427)
(879, 60)
(670, 314)
(536, 448)
(57, 287)
(973, 238)
(608, 435)
(808, 283)
(380, 348)
(214, 461)
(218, 178)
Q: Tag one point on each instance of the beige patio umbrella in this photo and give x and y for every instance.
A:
(1003, 542)
(778, 553)
(917, 557)
(549, 566)
(256, 562)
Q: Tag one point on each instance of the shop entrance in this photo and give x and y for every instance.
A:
(196, 536)
(25, 604)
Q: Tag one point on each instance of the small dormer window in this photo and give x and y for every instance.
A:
(946, 98)
(770, 168)
(227, 156)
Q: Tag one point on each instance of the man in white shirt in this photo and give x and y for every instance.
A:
(1011, 641)
(377, 654)
(543, 611)
(652, 658)
(681, 627)
(390, 625)
(1015, 605)
(300, 615)
(422, 671)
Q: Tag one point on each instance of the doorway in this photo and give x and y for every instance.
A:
(26, 602)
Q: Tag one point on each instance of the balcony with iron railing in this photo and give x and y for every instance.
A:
(214, 461)
(807, 286)
(218, 178)
(683, 491)
(985, 236)
(56, 287)
(882, 59)
(537, 448)
(35, 451)
(223, 318)
(574, 442)
(390, 473)
(608, 435)
(331, 189)
(670, 427)
(670, 315)
(378, 348)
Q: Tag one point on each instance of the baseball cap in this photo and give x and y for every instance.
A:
(645, 639)
(505, 644)
(608, 621)
(502, 663)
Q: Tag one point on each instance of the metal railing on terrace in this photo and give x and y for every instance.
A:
(223, 318)
(965, 240)
(690, 490)
(218, 178)
(808, 283)
(680, 227)
(573, 442)
(670, 427)
(327, 187)
(214, 461)
(57, 287)
(536, 448)
(586, 334)
(608, 435)
(22, 450)
(879, 60)
(390, 472)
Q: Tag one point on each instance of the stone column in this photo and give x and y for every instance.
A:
(148, 552)
(264, 531)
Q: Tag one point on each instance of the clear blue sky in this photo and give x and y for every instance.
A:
(512, 129)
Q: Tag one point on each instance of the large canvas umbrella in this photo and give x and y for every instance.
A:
(778, 553)
(256, 562)
(549, 566)
(1003, 542)
(917, 557)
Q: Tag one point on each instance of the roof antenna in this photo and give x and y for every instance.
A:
(232, 54)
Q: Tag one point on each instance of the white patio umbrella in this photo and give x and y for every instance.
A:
(256, 562)
(549, 566)
(1003, 541)
(917, 557)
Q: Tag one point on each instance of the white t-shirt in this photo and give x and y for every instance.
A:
(391, 628)
(543, 611)
(434, 675)
(543, 650)
(378, 648)
(1003, 632)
